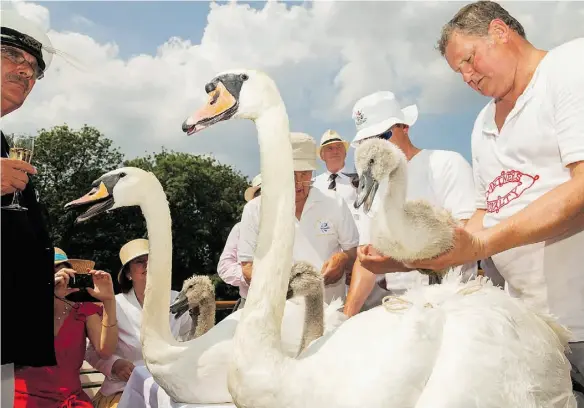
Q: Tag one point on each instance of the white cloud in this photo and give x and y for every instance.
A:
(82, 21)
(324, 56)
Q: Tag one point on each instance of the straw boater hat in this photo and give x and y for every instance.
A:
(376, 113)
(303, 151)
(329, 137)
(256, 184)
(79, 265)
(25, 35)
(130, 251)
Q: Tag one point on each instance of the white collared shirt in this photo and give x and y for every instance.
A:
(325, 227)
(542, 134)
(129, 316)
(344, 187)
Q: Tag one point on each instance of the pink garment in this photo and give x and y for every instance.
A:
(59, 386)
(229, 268)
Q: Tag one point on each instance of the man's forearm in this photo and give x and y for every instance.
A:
(557, 212)
(246, 269)
(352, 254)
(362, 283)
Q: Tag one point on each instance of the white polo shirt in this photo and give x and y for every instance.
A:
(444, 179)
(344, 187)
(514, 167)
(325, 227)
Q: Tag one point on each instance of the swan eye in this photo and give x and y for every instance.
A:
(244, 77)
(371, 161)
(122, 174)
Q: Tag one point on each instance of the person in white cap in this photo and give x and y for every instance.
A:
(444, 178)
(117, 369)
(229, 267)
(326, 235)
(333, 151)
(27, 250)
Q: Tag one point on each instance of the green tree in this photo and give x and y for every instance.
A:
(205, 198)
(68, 160)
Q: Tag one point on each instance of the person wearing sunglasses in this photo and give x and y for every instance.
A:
(444, 178)
(326, 234)
(27, 250)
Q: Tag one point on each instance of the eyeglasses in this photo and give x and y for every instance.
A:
(18, 58)
(304, 183)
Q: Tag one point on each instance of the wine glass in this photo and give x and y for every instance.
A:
(22, 149)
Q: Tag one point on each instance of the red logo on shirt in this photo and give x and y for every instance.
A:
(522, 182)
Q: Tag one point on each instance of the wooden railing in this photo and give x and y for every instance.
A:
(91, 379)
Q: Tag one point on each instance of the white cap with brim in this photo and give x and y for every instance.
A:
(303, 151)
(23, 34)
(256, 184)
(376, 113)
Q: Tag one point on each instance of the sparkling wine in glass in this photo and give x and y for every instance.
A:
(22, 149)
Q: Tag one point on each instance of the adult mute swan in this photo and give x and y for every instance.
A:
(379, 358)
(193, 371)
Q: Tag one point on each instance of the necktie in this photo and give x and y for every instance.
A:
(333, 183)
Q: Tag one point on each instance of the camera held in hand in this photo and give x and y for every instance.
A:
(81, 281)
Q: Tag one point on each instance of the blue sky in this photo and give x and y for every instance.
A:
(138, 27)
(324, 56)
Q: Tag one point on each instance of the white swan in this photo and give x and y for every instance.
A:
(194, 371)
(377, 358)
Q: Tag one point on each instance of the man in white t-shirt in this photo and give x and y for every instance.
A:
(443, 178)
(326, 235)
(528, 164)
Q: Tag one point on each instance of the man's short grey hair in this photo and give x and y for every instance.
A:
(474, 19)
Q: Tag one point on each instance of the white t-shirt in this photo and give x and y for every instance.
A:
(444, 179)
(325, 227)
(514, 167)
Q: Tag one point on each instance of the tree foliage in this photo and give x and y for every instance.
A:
(205, 199)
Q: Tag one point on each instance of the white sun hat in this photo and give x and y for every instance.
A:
(256, 184)
(23, 34)
(132, 250)
(331, 136)
(375, 113)
(303, 151)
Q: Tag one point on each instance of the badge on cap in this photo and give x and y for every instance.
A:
(359, 118)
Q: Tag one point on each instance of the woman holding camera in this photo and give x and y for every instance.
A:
(74, 322)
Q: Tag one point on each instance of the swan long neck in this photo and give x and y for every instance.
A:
(313, 319)
(155, 320)
(272, 264)
(395, 197)
(205, 318)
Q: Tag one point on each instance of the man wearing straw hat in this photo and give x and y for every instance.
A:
(333, 151)
(229, 267)
(326, 235)
(27, 261)
(444, 178)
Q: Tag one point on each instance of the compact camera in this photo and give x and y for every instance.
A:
(81, 281)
